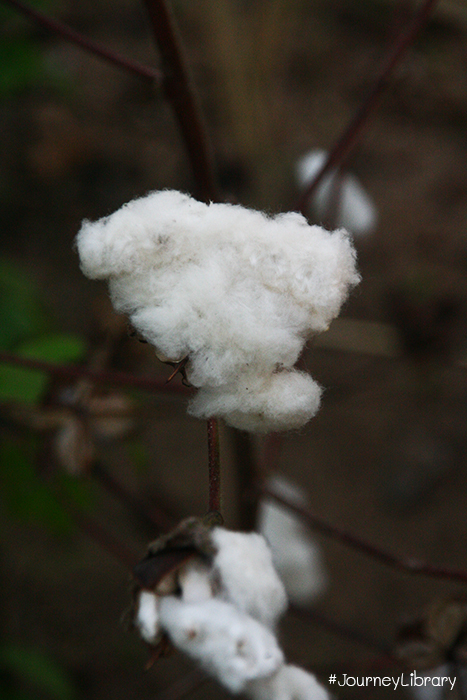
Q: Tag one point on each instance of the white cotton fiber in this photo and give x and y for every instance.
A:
(295, 554)
(230, 646)
(235, 291)
(281, 401)
(288, 683)
(355, 210)
(247, 575)
(147, 616)
(194, 579)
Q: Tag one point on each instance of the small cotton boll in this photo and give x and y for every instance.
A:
(295, 554)
(289, 683)
(356, 212)
(231, 647)
(194, 579)
(247, 575)
(147, 616)
(282, 401)
(235, 291)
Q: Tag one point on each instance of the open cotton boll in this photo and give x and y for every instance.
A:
(147, 616)
(282, 401)
(230, 646)
(295, 554)
(236, 292)
(194, 579)
(356, 212)
(247, 575)
(289, 683)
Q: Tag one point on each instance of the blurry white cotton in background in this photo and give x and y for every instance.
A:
(355, 210)
(295, 554)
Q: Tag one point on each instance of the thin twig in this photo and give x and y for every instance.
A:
(408, 565)
(181, 93)
(153, 74)
(214, 466)
(149, 384)
(354, 130)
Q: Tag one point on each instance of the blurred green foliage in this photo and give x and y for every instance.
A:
(22, 60)
(27, 331)
(27, 674)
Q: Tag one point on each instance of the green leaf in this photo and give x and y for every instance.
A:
(28, 385)
(24, 494)
(21, 313)
(38, 670)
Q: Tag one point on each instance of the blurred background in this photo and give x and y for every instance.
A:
(383, 459)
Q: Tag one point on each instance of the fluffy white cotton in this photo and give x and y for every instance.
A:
(230, 646)
(147, 616)
(194, 579)
(288, 683)
(282, 401)
(295, 554)
(247, 575)
(237, 292)
(356, 212)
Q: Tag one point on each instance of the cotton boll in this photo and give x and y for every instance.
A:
(236, 292)
(194, 579)
(289, 683)
(247, 575)
(295, 554)
(230, 646)
(356, 212)
(147, 616)
(282, 401)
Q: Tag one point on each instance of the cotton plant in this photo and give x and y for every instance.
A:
(215, 596)
(296, 556)
(233, 292)
(355, 210)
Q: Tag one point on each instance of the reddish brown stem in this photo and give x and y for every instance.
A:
(70, 34)
(407, 565)
(214, 466)
(149, 384)
(182, 95)
(354, 130)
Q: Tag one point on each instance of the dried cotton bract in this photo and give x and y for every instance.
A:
(235, 291)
